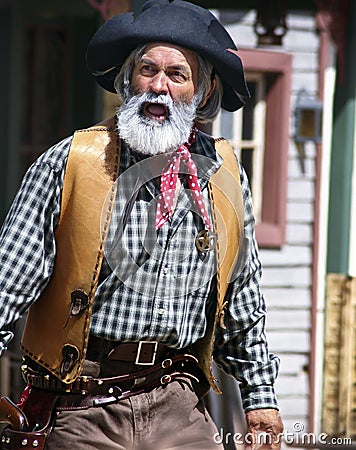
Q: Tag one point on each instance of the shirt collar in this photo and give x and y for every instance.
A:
(203, 153)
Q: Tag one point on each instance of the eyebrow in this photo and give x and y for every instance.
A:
(179, 67)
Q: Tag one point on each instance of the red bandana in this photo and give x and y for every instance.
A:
(169, 179)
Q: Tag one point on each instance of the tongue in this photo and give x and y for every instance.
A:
(156, 109)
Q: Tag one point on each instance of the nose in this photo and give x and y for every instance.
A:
(159, 83)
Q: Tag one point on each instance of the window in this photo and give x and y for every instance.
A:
(259, 134)
(245, 131)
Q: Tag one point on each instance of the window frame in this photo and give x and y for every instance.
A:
(271, 231)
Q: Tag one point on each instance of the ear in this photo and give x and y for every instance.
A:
(211, 90)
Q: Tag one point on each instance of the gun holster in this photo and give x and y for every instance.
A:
(16, 440)
(29, 426)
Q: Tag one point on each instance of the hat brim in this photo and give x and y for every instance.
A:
(176, 22)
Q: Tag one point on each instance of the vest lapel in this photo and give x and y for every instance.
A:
(57, 326)
(228, 220)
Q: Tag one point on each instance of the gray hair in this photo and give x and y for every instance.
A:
(205, 113)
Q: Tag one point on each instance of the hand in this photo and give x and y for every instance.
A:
(268, 421)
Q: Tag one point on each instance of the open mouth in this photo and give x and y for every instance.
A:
(156, 111)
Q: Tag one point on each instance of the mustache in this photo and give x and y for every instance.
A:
(152, 97)
(139, 101)
(150, 136)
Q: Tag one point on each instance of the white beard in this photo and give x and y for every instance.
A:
(149, 136)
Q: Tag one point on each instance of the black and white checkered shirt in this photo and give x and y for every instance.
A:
(154, 285)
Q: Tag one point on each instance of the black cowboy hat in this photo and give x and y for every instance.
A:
(172, 21)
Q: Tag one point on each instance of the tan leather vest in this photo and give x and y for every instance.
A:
(57, 327)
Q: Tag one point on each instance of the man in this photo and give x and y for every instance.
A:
(131, 248)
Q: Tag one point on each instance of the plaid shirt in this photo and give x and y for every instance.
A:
(154, 285)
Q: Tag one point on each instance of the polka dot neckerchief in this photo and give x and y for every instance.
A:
(169, 178)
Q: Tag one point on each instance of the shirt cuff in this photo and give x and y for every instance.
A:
(258, 397)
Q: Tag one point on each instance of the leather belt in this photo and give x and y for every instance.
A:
(144, 381)
(87, 391)
(142, 353)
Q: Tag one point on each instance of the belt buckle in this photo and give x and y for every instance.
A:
(139, 350)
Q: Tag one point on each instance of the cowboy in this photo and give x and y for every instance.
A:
(132, 246)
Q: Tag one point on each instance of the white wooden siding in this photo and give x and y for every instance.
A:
(287, 272)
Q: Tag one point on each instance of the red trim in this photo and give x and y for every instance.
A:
(271, 231)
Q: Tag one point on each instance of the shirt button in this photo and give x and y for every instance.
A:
(161, 311)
